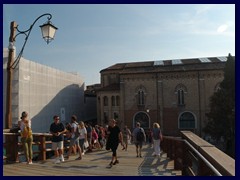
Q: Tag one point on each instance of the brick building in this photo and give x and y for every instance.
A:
(174, 93)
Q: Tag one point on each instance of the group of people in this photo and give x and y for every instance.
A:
(80, 134)
(116, 136)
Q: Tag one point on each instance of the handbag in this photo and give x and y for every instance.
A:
(86, 144)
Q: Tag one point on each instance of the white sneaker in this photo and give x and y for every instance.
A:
(57, 161)
(83, 153)
(61, 158)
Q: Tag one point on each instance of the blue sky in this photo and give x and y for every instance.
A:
(92, 37)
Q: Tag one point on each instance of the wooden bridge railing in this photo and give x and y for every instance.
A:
(13, 146)
(196, 157)
(191, 154)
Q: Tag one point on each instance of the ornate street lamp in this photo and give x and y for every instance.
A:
(48, 32)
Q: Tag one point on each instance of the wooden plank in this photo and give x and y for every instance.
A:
(221, 161)
(195, 140)
(96, 164)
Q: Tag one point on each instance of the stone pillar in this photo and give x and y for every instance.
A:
(122, 105)
(160, 103)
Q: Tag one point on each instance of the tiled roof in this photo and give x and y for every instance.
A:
(111, 87)
(150, 65)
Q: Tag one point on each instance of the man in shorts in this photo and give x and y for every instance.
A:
(138, 143)
(57, 130)
(74, 140)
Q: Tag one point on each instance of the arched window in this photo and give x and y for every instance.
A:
(141, 100)
(187, 121)
(180, 90)
(180, 94)
(105, 101)
(143, 118)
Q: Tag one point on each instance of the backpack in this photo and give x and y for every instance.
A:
(140, 135)
(27, 132)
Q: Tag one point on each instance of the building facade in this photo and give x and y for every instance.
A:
(90, 101)
(43, 92)
(174, 93)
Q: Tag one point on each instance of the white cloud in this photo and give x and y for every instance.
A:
(222, 28)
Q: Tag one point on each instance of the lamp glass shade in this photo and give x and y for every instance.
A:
(48, 31)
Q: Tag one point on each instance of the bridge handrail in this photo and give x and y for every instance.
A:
(12, 145)
(195, 156)
(203, 158)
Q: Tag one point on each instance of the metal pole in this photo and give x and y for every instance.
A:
(8, 118)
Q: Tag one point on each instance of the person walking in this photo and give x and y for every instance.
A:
(114, 137)
(139, 137)
(83, 136)
(26, 136)
(126, 137)
(57, 130)
(89, 136)
(74, 138)
(157, 136)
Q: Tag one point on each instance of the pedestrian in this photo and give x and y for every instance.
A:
(68, 131)
(89, 136)
(95, 142)
(139, 137)
(83, 136)
(74, 138)
(157, 136)
(57, 130)
(126, 137)
(26, 136)
(114, 138)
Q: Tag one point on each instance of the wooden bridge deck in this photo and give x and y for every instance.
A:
(96, 164)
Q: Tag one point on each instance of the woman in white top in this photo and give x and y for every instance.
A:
(156, 135)
(26, 136)
(83, 135)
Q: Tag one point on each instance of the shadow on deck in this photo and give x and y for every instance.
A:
(96, 164)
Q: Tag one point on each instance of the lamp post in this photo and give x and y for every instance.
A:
(48, 32)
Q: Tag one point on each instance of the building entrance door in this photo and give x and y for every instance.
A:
(143, 118)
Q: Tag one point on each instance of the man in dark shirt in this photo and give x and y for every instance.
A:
(114, 137)
(57, 129)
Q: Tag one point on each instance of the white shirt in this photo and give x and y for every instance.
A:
(74, 126)
(22, 124)
(83, 132)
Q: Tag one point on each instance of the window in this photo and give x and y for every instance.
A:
(187, 121)
(105, 101)
(141, 97)
(180, 91)
(142, 118)
(180, 94)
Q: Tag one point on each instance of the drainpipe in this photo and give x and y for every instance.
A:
(200, 108)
